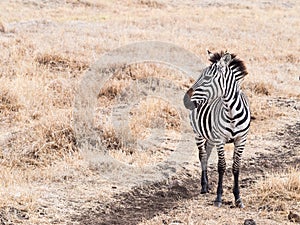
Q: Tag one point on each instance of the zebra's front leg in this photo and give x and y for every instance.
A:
(221, 171)
(203, 157)
(238, 150)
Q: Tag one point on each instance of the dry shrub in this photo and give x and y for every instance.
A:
(61, 93)
(85, 3)
(126, 147)
(289, 58)
(56, 62)
(58, 137)
(262, 110)
(160, 71)
(153, 113)
(119, 143)
(125, 75)
(2, 28)
(9, 104)
(110, 139)
(279, 192)
(259, 88)
(152, 4)
(40, 145)
(111, 90)
(121, 78)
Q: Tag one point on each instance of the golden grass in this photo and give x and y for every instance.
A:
(259, 88)
(40, 145)
(279, 193)
(47, 47)
(153, 113)
(152, 3)
(150, 115)
(60, 63)
(8, 103)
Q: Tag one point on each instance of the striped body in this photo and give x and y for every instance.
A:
(220, 114)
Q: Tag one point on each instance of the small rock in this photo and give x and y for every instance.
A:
(293, 217)
(176, 222)
(249, 222)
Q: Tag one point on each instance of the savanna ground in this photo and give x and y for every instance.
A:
(47, 47)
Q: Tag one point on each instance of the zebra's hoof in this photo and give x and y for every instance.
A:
(218, 204)
(204, 190)
(239, 203)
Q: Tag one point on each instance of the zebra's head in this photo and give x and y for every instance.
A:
(211, 84)
(224, 59)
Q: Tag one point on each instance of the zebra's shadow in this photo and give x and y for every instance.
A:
(142, 202)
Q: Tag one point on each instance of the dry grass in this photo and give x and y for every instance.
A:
(278, 194)
(55, 62)
(2, 28)
(272, 199)
(9, 104)
(40, 145)
(46, 47)
(153, 113)
(259, 88)
(152, 3)
(150, 115)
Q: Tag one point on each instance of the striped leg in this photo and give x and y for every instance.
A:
(238, 150)
(203, 157)
(221, 171)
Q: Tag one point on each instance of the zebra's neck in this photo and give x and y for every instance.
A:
(232, 93)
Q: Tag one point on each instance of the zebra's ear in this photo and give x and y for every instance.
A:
(209, 53)
(227, 58)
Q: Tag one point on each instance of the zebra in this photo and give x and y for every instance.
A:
(220, 114)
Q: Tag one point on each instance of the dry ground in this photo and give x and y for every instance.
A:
(47, 47)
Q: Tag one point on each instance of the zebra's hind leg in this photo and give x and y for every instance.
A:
(203, 157)
(221, 171)
(238, 150)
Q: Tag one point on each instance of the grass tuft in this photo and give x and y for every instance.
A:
(152, 4)
(279, 192)
(9, 105)
(40, 145)
(56, 62)
(260, 88)
(8, 102)
(2, 28)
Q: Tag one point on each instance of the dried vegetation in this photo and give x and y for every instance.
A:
(279, 193)
(43, 60)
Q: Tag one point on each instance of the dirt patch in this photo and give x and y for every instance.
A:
(7, 214)
(142, 203)
(282, 157)
(145, 202)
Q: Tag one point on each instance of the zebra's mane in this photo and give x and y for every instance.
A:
(236, 64)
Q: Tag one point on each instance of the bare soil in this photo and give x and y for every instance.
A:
(145, 202)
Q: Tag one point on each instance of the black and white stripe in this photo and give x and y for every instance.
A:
(220, 114)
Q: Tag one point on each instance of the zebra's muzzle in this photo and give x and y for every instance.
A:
(187, 100)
